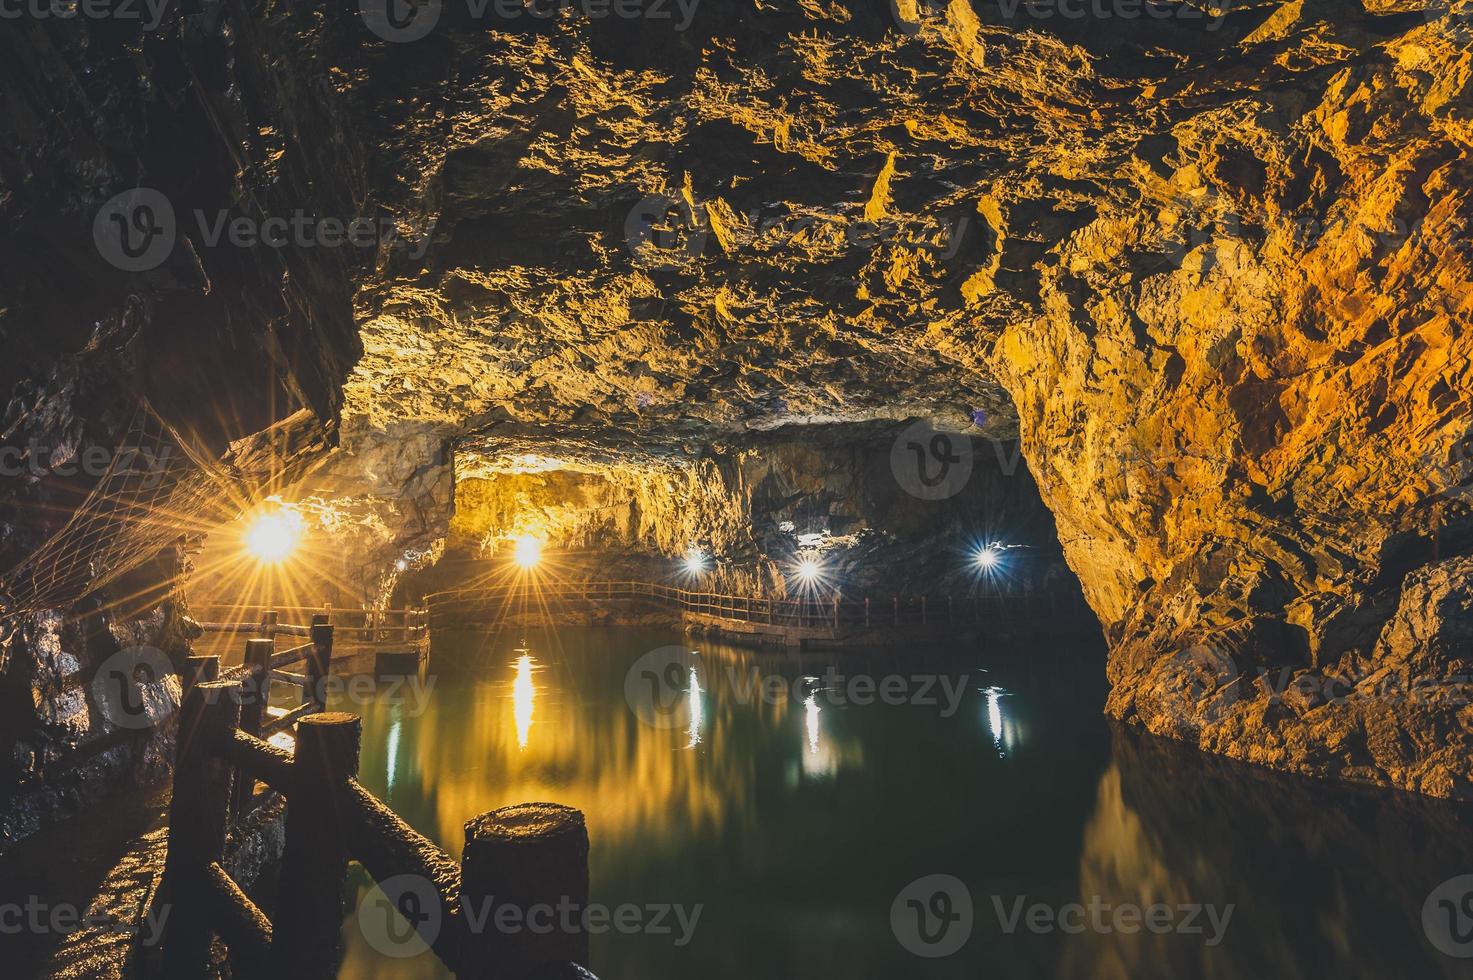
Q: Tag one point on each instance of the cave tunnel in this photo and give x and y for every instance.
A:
(782, 488)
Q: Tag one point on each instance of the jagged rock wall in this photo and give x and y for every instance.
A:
(752, 505)
(219, 111)
(1218, 263)
(1212, 270)
(1255, 444)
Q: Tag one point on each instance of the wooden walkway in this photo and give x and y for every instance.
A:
(795, 623)
(229, 766)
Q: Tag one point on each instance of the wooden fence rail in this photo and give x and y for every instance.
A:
(408, 625)
(834, 611)
(533, 854)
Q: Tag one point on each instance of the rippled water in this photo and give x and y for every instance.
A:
(796, 824)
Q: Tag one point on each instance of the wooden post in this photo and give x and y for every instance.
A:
(269, 619)
(319, 663)
(836, 612)
(255, 696)
(534, 854)
(257, 685)
(866, 612)
(198, 813)
(309, 920)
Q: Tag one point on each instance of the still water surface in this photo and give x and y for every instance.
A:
(793, 821)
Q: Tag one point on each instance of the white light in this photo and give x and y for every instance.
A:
(987, 557)
(401, 564)
(274, 535)
(808, 570)
(693, 730)
(994, 719)
(528, 551)
(695, 561)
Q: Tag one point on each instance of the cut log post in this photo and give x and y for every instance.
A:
(254, 696)
(306, 942)
(534, 858)
(319, 663)
(198, 813)
(269, 619)
(256, 684)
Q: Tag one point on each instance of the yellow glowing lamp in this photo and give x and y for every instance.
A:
(274, 534)
(527, 552)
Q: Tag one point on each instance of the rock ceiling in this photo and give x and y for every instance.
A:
(1211, 268)
(1214, 273)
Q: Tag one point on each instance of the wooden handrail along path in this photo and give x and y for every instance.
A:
(533, 854)
(408, 626)
(833, 611)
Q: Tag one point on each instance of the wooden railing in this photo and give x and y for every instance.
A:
(834, 611)
(262, 666)
(371, 626)
(534, 854)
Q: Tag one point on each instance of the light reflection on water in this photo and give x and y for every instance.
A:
(693, 729)
(524, 698)
(794, 822)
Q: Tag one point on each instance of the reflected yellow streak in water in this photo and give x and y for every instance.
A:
(633, 775)
(524, 697)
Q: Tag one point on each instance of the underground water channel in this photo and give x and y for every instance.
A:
(798, 815)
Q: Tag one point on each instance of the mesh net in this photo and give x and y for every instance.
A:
(151, 493)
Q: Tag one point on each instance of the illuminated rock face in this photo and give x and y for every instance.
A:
(840, 495)
(1214, 274)
(1224, 292)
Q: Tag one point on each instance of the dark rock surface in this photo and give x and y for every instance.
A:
(1212, 272)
